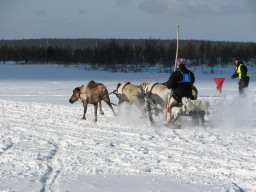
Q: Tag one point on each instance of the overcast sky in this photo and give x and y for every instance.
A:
(228, 20)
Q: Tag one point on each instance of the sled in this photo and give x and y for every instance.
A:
(197, 116)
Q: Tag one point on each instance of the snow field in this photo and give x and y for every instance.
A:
(44, 146)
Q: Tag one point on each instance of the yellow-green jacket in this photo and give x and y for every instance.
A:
(241, 72)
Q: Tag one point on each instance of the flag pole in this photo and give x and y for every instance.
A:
(175, 66)
(177, 48)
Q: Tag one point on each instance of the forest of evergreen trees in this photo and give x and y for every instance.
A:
(112, 52)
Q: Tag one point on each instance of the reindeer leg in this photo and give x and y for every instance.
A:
(85, 109)
(95, 111)
(202, 118)
(168, 117)
(110, 106)
(148, 107)
(101, 112)
(107, 100)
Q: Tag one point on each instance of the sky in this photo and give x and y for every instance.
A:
(217, 20)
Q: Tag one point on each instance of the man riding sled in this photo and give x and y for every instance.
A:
(181, 82)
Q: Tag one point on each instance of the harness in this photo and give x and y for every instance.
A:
(85, 96)
(85, 87)
(148, 94)
(121, 88)
(120, 93)
(150, 88)
(80, 90)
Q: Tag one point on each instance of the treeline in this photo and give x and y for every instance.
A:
(87, 42)
(118, 56)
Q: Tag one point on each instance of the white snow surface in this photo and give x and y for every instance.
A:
(45, 146)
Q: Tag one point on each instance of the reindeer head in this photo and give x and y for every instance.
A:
(76, 95)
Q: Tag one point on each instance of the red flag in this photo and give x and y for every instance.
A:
(219, 82)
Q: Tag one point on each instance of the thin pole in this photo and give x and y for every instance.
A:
(177, 48)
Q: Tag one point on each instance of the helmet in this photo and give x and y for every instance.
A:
(181, 61)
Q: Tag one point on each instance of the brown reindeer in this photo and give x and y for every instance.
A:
(91, 93)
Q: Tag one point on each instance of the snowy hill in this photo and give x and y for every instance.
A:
(44, 146)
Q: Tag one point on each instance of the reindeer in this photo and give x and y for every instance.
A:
(127, 92)
(91, 93)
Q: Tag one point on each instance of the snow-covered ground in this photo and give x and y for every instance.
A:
(44, 146)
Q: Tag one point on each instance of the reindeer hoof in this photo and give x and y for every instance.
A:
(101, 112)
(83, 118)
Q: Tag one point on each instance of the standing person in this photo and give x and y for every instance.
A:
(242, 73)
(180, 82)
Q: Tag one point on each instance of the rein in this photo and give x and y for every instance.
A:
(80, 92)
(118, 83)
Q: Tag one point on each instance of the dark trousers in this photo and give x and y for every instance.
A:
(242, 85)
(182, 92)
